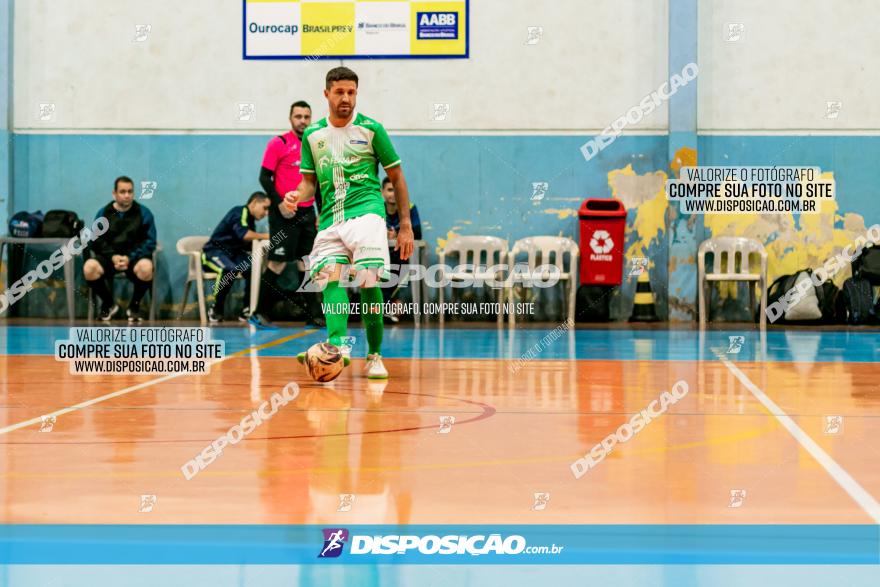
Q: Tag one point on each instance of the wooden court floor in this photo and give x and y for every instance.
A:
(752, 422)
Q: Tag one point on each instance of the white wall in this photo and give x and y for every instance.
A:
(597, 58)
(795, 55)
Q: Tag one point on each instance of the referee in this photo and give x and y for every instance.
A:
(292, 235)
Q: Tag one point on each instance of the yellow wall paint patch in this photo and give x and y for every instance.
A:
(650, 219)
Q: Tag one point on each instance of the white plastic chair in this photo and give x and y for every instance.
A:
(258, 254)
(731, 263)
(546, 250)
(191, 248)
(474, 251)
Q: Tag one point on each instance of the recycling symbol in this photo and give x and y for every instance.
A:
(601, 242)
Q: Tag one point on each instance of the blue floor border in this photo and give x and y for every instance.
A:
(581, 544)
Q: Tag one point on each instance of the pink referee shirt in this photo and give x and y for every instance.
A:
(283, 156)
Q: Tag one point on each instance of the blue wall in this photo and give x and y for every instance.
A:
(484, 180)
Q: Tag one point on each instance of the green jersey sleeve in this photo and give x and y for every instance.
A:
(384, 149)
(306, 161)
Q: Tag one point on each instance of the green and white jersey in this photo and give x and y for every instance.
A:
(346, 163)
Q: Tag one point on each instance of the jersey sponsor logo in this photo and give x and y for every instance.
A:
(358, 176)
(327, 160)
(357, 142)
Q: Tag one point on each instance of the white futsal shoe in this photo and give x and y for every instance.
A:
(374, 367)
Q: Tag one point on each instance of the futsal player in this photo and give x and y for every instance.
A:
(126, 247)
(227, 254)
(292, 231)
(341, 153)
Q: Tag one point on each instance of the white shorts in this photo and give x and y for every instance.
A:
(360, 242)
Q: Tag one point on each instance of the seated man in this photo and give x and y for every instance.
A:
(228, 252)
(392, 222)
(127, 247)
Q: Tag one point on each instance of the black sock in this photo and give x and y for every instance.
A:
(140, 288)
(102, 290)
(304, 298)
(269, 291)
(226, 282)
(246, 301)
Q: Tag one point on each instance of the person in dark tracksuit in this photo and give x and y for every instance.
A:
(126, 247)
(227, 253)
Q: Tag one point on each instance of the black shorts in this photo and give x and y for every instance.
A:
(110, 270)
(291, 238)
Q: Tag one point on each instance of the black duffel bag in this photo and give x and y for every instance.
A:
(61, 224)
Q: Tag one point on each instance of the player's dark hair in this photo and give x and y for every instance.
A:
(340, 74)
(122, 178)
(298, 104)
(257, 196)
(385, 180)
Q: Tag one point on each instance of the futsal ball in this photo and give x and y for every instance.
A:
(324, 362)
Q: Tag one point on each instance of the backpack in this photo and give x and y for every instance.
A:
(858, 301)
(61, 223)
(867, 265)
(819, 303)
(26, 224)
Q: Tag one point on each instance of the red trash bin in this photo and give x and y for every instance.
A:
(603, 227)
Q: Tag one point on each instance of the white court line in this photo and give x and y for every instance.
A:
(87, 403)
(93, 401)
(838, 473)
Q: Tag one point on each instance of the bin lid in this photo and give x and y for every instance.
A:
(602, 208)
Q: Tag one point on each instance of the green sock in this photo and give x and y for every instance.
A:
(371, 314)
(336, 314)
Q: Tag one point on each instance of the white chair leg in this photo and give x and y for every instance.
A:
(200, 292)
(415, 288)
(701, 285)
(185, 297)
(763, 321)
(511, 310)
(753, 285)
(571, 300)
(257, 253)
